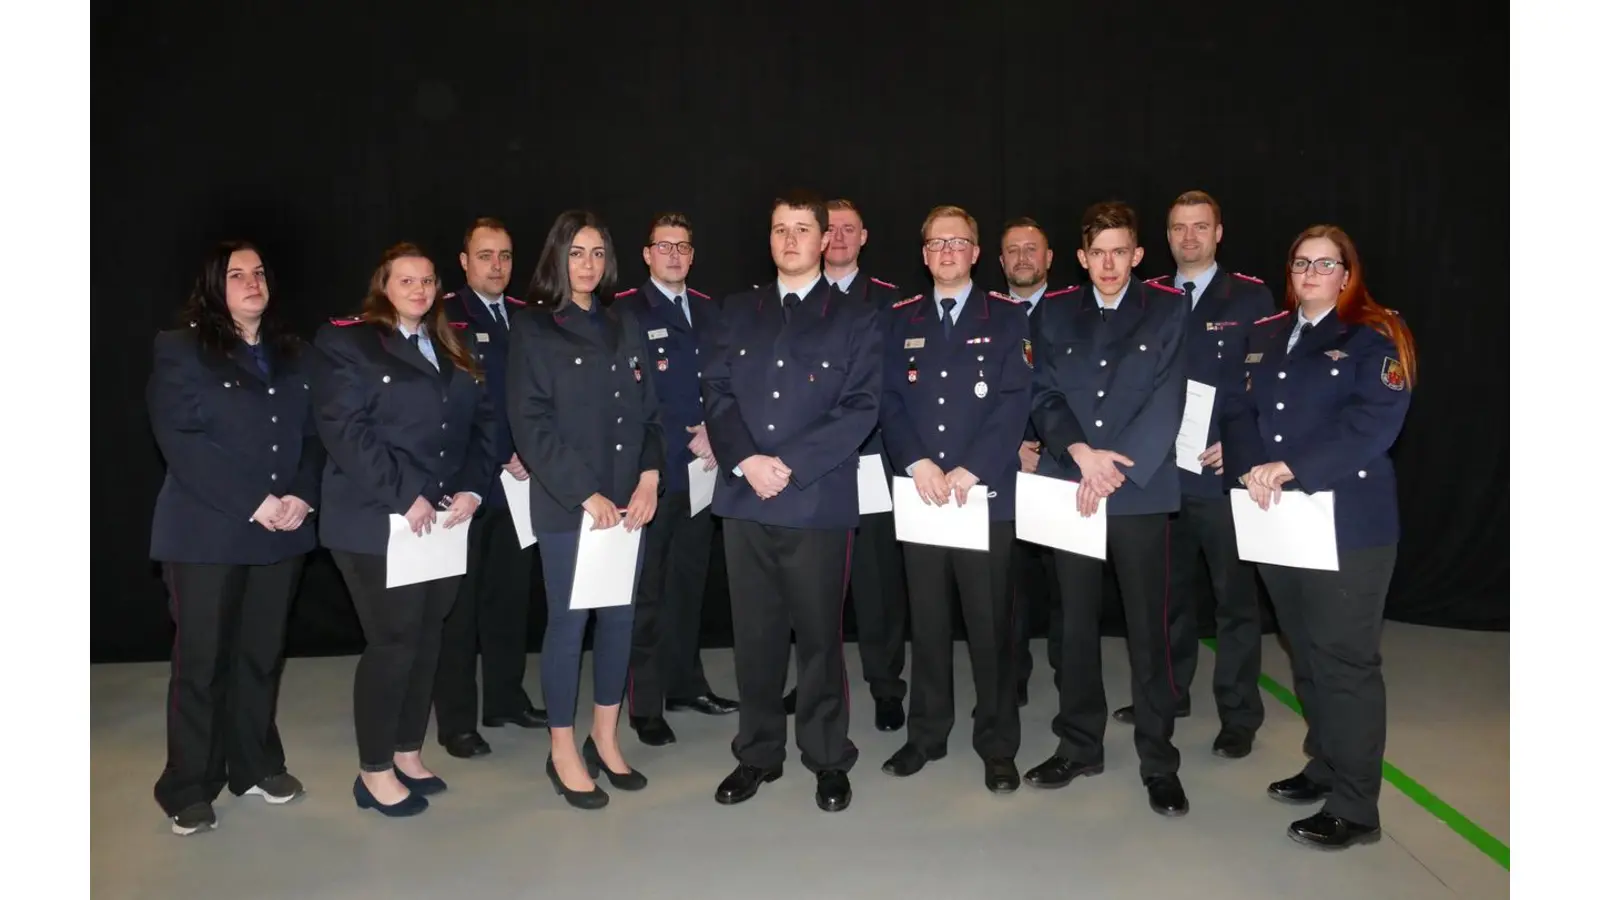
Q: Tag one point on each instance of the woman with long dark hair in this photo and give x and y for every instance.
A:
(1323, 396)
(585, 420)
(230, 407)
(402, 408)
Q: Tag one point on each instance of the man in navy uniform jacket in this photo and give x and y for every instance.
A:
(791, 391)
(491, 612)
(1108, 365)
(664, 670)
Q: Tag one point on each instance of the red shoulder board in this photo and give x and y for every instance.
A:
(511, 299)
(1063, 291)
(1165, 287)
(907, 301)
(1247, 277)
(1156, 279)
(1265, 319)
(621, 294)
(698, 294)
(1006, 297)
(881, 283)
(344, 323)
(458, 324)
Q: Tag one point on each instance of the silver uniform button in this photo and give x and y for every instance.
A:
(1099, 393)
(227, 384)
(385, 379)
(1278, 438)
(274, 420)
(272, 390)
(772, 427)
(941, 427)
(1335, 372)
(741, 352)
(444, 425)
(274, 448)
(774, 395)
(780, 363)
(825, 363)
(980, 357)
(1102, 362)
(578, 361)
(941, 454)
(274, 476)
(1283, 374)
(1099, 424)
(619, 420)
(1141, 348)
(941, 401)
(619, 448)
(1219, 343)
(1361, 474)
(1280, 406)
(944, 374)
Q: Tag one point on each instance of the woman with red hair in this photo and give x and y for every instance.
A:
(1323, 395)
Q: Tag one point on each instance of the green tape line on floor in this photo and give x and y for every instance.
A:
(1490, 845)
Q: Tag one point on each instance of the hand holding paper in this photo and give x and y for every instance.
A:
(1196, 427)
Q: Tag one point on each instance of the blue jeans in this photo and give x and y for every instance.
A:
(561, 658)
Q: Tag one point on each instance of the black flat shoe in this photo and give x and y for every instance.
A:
(707, 704)
(833, 790)
(1000, 775)
(1057, 772)
(743, 782)
(1166, 795)
(1329, 832)
(1232, 744)
(433, 784)
(653, 731)
(595, 799)
(1298, 789)
(623, 781)
(910, 759)
(413, 803)
(532, 717)
(888, 715)
(465, 745)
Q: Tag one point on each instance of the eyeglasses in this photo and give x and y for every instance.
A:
(665, 248)
(954, 245)
(1324, 265)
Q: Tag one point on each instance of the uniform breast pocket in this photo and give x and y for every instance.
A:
(820, 376)
(1136, 362)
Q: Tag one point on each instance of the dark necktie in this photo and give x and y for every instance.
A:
(790, 301)
(1188, 293)
(1301, 329)
(499, 316)
(258, 353)
(949, 304)
(683, 307)
(1105, 313)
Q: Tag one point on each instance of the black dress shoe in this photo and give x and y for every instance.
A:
(632, 780)
(1329, 832)
(1166, 795)
(594, 799)
(790, 700)
(706, 704)
(833, 790)
(910, 759)
(1231, 744)
(1298, 789)
(1125, 714)
(429, 786)
(653, 730)
(1057, 772)
(889, 715)
(1000, 775)
(532, 717)
(465, 745)
(743, 783)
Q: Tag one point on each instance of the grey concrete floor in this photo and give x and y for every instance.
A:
(501, 832)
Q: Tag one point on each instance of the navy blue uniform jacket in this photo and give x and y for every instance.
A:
(673, 351)
(1330, 409)
(583, 411)
(487, 340)
(231, 436)
(1115, 385)
(395, 429)
(1213, 346)
(962, 401)
(806, 392)
(881, 296)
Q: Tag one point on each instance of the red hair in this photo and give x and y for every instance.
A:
(1355, 305)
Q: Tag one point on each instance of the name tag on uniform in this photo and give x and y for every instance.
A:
(915, 343)
(483, 337)
(655, 334)
(1253, 358)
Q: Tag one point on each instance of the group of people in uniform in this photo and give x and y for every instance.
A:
(419, 409)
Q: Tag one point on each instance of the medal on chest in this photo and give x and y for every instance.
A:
(661, 365)
(911, 372)
(638, 373)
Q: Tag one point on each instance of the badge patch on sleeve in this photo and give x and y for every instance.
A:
(1391, 376)
(1027, 352)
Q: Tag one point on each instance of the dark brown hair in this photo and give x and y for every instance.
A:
(803, 199)
(1108, 216)
(488, 222)
(668, 220)
(377, 308)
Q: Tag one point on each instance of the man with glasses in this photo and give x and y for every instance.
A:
(1221, 306)
(665, 670)
(490, 615)
(957, 390)
(1109, 394)
(791, 388)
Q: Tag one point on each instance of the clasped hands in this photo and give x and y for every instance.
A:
(641, 506)
(422, 516)
(936, 486)
(1265, 482)
(1101, 477)
(281, 513)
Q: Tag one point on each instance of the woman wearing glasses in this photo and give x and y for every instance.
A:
(585, 420)
(1323, 396)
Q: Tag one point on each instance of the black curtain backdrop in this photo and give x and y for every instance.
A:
(327, 136)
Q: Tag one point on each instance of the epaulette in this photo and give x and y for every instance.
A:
(511, 299)
(698, 294)
(1247, 277)
(1065, 290)
(1156, 279)
(458, 325)
(907, 302)
(881, 283)
(1166, 287)
(621, 294)
(448, 296)
(342, 323)
(1006, 297)
(1265, 319)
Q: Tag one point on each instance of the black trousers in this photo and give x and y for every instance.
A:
(1203, 527)
(490, 618)
(778, 579)
(1137, 550)
(878, 586)
(394, 679)
(1334, 622)
(222, 694)
(982, 583)
(1033, 578)
(665, 662)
